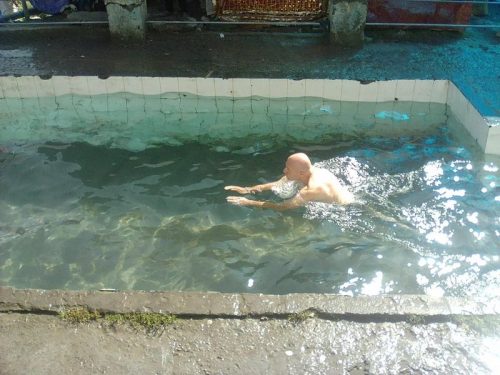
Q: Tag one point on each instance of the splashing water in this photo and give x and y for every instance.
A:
(286, 189)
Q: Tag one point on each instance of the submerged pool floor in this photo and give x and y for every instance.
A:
(79, 216)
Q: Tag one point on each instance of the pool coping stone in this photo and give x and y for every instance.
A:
(241, 305)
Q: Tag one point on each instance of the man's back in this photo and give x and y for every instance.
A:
(323, 186)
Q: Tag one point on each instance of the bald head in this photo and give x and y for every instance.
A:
(300, 161)
(298, 167)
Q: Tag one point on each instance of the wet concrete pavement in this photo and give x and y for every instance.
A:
(218, 333)
(44, 344)
(469, 59)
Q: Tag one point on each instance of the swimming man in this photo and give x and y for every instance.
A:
(319, 185)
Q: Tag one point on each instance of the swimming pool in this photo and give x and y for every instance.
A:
(137, 203)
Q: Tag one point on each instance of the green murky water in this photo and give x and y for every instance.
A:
(78, 216)
(145, 209)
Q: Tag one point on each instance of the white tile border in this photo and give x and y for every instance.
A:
(79, 86)
(151, 85)
(386, 91)
(44, 87)
(169, 85)
(423, 90)
(314, 88)
(416, 91)
(474, 123)
(278, 88)
(61, 85)
(260, 87)
(404, 90)
(440, 91)
(332, 89)
(296, 89)
(493, 141)
(205, 86)
(26, 87)
(242, 88)
(223, 87)
(114, 85)
(188, 86)
(368, 91)
(96, 85)
(9, 87)
(350, 90)
(133, 85)
(346, 90)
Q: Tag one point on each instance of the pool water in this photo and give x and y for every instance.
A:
(83, 216)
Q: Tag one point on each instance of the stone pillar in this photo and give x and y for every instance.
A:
(127, 18)
(480, 9)
(347, 21)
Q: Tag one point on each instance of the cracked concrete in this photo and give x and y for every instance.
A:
(220, 333)
(47, 345)
(209, 304)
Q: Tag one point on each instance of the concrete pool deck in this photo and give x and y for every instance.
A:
(249, 334)
(398, 334)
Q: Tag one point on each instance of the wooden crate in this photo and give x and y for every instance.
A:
(274, 10)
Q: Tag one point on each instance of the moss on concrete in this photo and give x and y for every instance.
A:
(151, 322)
(79, 315)
(301, 316)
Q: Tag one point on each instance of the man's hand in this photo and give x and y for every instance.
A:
(242, 190)
(295, 202)
(240, 201)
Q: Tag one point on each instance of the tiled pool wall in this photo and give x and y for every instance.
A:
(230, 108)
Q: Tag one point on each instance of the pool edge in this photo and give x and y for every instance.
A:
(422, 91)
(242, 305)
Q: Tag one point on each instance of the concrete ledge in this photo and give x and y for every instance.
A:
(242, 305)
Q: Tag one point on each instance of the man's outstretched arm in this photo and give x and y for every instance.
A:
(289, 204)
(253, 189)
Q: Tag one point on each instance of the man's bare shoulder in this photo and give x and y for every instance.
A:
(322, 176)
(317, 190)
(326, 187)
